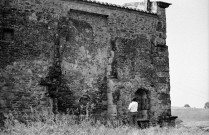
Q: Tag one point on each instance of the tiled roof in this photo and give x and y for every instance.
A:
(117, 6)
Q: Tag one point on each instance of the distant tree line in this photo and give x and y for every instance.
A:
(206, 105)
(187, 105)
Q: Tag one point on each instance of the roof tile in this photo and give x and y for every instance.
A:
(114, 5)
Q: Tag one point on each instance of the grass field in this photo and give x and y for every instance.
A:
(85, 128)
(191, 114)
(66, 125)
(192, 117)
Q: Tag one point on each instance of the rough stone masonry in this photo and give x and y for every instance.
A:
(108, 55)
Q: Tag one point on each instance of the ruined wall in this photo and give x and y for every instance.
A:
(137, 55)
(85, 57)
(111, 54)
(25, 56)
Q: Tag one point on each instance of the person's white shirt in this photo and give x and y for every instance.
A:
(133, 106)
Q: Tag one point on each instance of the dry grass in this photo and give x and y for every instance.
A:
(67, 125)
(86, 129)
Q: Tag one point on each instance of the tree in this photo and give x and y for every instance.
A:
(206, 105)
(187, 105)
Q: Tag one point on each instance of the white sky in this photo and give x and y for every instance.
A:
(187, 39)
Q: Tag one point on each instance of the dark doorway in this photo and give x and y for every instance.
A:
(142, 96)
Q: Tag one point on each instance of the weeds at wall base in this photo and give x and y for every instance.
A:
(64, 124)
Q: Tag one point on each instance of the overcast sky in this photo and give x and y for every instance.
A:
(187, 39)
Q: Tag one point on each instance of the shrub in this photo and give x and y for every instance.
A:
(206, 105)
(187, 105)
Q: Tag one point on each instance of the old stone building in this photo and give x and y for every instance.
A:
(103, 57)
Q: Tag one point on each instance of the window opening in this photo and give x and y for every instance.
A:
(8, 34)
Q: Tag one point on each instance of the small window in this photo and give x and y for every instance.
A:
(8, 34)
(4, 2)
(159, 26)
(5, 15)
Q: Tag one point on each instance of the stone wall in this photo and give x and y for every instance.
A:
(25, 57)
(111, 53)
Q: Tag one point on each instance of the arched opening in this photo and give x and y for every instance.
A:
(84, 104)
(142, 96)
